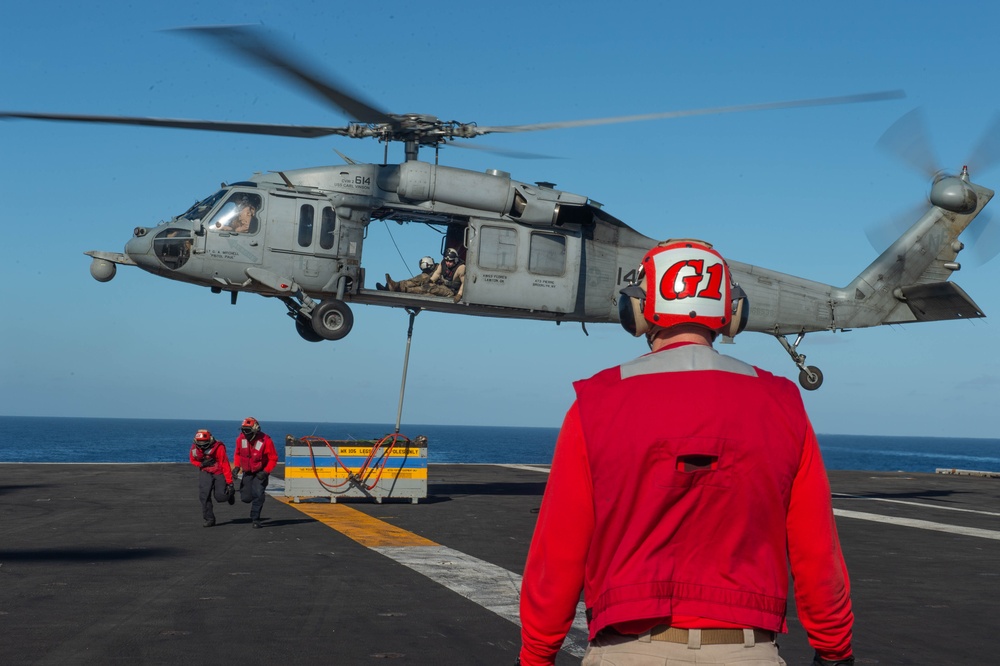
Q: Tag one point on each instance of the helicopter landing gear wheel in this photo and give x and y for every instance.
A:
(810, 378)
(332, 320)
(304, 328)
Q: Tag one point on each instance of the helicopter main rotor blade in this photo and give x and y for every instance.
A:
(253, 44)
(516, 154)
(301, 131)
(822, 101)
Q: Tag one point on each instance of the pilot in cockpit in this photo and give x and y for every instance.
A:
(243, 220)
(244, 217)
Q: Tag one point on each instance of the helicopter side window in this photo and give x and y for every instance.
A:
(327, 226)
(238, 215)
(498, 248)
(547, 255)
(306, 215)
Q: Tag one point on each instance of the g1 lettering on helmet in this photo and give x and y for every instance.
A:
(683, 282)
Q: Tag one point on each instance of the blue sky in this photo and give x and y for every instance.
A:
(790, 190)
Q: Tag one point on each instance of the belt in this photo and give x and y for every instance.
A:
(662, 632)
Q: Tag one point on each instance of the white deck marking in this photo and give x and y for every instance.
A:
(530, 468)
(920, 524)
(494, 588)
(920, 504)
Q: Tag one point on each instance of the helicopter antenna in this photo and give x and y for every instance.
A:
(344, 157)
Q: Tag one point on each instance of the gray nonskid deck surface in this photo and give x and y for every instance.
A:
(109, 564)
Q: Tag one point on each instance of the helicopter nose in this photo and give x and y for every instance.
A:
(139, 247)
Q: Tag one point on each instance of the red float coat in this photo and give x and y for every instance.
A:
(256, 454)
(682, 486)
(218, 453)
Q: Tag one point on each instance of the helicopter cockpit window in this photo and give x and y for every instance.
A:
(201, 209)
(172, 247)
(548, 254)
(239, 215)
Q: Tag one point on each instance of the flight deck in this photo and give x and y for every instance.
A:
(110, 564)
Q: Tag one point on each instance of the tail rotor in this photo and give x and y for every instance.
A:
(909, 141)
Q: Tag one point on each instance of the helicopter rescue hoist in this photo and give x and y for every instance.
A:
(531, 251)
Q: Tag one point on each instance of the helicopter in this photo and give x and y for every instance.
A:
(531, 251)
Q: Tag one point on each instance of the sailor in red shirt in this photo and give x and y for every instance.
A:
(256, 457)
(683, 485)
(209, 455)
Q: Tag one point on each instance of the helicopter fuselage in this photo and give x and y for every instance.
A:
(530, 251)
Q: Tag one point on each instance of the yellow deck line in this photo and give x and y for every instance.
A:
(360, 527)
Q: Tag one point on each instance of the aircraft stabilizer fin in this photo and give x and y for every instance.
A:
(936, 301)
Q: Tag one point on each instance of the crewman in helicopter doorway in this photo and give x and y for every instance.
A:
(209, 455)
(256, 457)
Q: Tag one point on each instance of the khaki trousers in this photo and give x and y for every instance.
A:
(614, 650)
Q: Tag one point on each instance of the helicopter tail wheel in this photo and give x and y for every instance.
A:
(332, 320)
(810, 378)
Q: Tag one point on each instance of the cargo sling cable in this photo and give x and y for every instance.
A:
(374, 463)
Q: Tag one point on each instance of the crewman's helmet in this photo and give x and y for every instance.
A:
(427, 264)
(203, 439)
(451, 255)
(250, 427)
(689, 283)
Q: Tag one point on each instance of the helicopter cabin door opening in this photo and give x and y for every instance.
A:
(519, 266)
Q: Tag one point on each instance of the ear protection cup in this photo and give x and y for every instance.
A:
(631, 301)
(641, 325)
(740, 310)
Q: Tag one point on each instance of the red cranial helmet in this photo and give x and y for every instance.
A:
(203, 439)
(250, 427)
(683, 282)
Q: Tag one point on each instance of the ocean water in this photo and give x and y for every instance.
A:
(91, 440)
